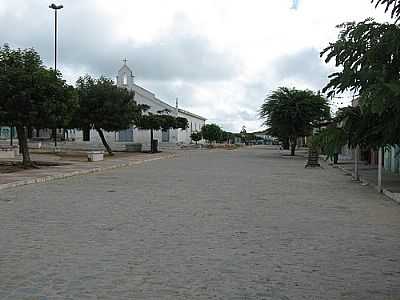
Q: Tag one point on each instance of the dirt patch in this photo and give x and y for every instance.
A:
(12, 167)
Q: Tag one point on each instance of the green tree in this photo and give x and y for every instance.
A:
(31, 96)
(392, 5)
(211, 132)
(330, 141)
(196, 136)
(292, 113)
(104, 106)
(226, 137)
(369, 57)
(161, 120)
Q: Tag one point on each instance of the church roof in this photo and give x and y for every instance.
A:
(125, 67)
(191, 114)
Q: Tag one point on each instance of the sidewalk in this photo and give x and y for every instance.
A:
(369, 175)
(72, 166)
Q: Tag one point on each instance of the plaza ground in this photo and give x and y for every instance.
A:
(244, 224)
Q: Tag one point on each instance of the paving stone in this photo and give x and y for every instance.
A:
(244, 224)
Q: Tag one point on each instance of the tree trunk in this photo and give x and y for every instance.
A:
(151, 141)
(293, 144)
(30, 132)
(103, 140)
(23, 146)
(11, 135)
(335, 158)
(286, 144)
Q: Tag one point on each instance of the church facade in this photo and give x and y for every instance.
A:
(125, 79)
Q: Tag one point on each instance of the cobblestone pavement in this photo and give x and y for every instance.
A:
(247, 224)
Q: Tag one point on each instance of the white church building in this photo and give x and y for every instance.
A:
(125, 79)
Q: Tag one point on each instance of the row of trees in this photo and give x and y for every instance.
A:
(368, 58)
(212, 133)
(33, 96)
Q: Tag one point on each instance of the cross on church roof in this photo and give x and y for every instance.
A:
(125, 60)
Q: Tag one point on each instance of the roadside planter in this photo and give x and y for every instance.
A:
(7, 152)
(95, 156)
(134, 147)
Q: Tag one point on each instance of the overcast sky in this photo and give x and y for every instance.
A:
(221, 58)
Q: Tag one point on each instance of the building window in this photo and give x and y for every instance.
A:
(86, 135)
(125, 79)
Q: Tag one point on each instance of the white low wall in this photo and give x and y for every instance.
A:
(7, 153)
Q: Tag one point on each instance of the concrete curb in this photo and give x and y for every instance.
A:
(80, 172)
(393, 196)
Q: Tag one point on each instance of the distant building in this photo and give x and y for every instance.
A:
(125, 79)
(391, 159)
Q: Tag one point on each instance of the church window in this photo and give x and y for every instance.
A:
(86, 134)
(125, 79)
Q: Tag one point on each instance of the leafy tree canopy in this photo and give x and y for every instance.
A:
(196, 136)
(390, 5)
(369, 57)
(292, 113)
(211, 132)
(368, 53)
(330, 140)
(104, 106)
(31, 95)
(161, 120)
(152, 121)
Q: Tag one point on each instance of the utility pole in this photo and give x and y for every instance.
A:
(55, 8)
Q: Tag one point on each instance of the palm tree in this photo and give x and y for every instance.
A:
(292, 113)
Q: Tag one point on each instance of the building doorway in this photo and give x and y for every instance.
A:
(165, 136)
(126, 135)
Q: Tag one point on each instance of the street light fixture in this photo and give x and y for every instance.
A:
(55, 8)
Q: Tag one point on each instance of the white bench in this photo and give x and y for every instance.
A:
(95, 155)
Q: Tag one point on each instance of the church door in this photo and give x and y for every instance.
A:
(126, 135)
(165, 136)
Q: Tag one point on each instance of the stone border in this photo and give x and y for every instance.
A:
(393, 196)
(79, 172)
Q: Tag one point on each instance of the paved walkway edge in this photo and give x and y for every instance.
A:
(80, 172)
(394, 196)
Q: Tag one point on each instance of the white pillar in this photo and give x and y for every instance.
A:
(380, 153)
(176, 115)
(394, 162)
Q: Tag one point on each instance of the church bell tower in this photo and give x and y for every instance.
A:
(125, 77)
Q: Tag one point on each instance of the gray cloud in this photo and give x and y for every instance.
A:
(174, 64)
(305, 65)
(86, 42)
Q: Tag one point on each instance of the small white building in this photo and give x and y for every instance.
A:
(125, 79)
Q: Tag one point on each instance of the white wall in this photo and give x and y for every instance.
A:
(195, 124)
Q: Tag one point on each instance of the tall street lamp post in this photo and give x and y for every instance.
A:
(55, 8)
